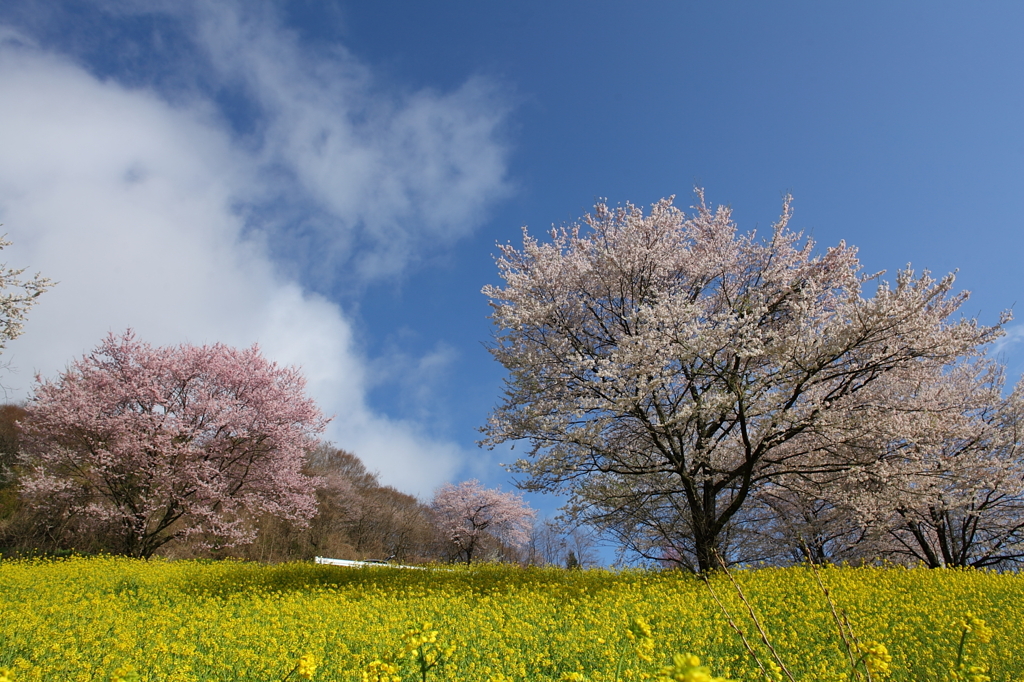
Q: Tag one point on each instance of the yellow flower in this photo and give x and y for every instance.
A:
(976, 673)
(180, 621)
(307, 667)
(414, 639)
(687, 668)
(876, 658)
(977, 627)
(381, 671)
(125, 674)
(642, 636)
(641, 627)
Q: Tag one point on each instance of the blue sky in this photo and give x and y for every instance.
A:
(330, 178)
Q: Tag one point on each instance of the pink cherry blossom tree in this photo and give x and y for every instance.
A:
(153, 444)
(470, 516)
(664, 366)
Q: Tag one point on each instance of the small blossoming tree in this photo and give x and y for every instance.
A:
(14, 305)
(469, 515)
(152, 444)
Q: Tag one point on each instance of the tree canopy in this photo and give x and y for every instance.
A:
(149, 444)
(470, 516)
(666, 366)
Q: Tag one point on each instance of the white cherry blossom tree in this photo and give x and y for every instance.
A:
(665, 366)
(948, 481)
(18, 297)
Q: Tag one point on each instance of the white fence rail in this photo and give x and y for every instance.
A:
(360, 564)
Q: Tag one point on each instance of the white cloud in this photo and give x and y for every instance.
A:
(399, 173)
(1013, 336)
(138, 208)
(1005, 350)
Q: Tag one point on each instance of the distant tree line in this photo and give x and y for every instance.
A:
(188, 451)
(355, 517)
(210, 451)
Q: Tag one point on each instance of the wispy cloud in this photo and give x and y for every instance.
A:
(153, 212)
(1006, 348)
(389, 174)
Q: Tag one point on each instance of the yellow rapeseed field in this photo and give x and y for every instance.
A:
(101, 619)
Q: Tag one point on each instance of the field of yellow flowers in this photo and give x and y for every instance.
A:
(103, 619)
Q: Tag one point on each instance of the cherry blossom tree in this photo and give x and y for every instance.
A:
(798, 526)
(154, 444)
(948, 480)
(937, 477)
(665, 364)
(470, 516)
(15, 304)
